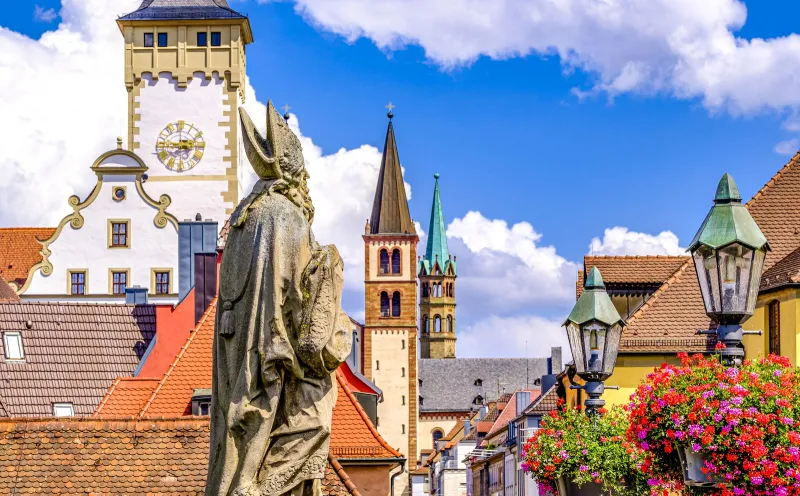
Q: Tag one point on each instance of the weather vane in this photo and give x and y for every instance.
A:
(286, 109)
(391, 107)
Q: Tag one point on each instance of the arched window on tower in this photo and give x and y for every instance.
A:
(384, 269)
(774, 310)
(396, 304)
(449, 323)
(437, 324)
(426, 325)
(437, 435)
(425, 290)
(384, 304)
(396, 261)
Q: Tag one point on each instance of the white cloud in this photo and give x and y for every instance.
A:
(685, 48)
(788, 147)
(42, 14)
(512, 337)
(503, 268)
(621, 241)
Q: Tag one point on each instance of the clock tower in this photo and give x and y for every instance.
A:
(185, 73)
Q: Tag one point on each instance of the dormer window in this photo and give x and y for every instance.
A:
(478, 400)
(12, 342)
(201, 402)
(478, 382)
(63, 410)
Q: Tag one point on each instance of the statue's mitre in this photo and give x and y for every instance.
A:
(265, 154)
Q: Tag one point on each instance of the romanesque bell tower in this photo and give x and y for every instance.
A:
(185, 76)
(437, 281)
(390, 322)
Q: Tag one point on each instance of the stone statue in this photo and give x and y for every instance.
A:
(280, 332)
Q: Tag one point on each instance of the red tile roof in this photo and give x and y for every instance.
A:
(20, 250)
(509, 413)
(644, 270)
(119, 456)
(352, 433)
(126, 396)
(6, 293)
(545, 403)
(785, 272)
(73, 351)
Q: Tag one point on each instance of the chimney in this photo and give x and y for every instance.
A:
(554, 364)
(198, 236)
(136, 295)
(523, 400)
(205, 282)
(467, 427)
(482, 412)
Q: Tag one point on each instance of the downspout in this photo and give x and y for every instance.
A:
(391, 479)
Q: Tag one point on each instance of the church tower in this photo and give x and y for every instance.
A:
(390, 322)
(185, 76)
(437, 281)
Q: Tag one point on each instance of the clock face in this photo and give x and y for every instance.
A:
(180, 146)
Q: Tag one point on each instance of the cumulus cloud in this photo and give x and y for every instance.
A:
(621, 241)
(42, 14)
(685, 48)
(788, 147)
(512, 337)
(505, 268)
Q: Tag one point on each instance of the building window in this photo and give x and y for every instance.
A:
(403, 399)
(425, 325)
(774, 310)
(449, 323)
(396, 261)
(396, 304)
(63, 410)
(402, 428)
(478, 382)
(384, 260)
(437, 324)
(119, 281)
(216, 38)
(202, 39)
(12, 341)
(420, 401)
(77, 282)
(120, 230)
(437, 435)
(478, 400)
(148, 39)
(377, 366)
(402, 373)
(201, 402)
(162, 282)
(384, 304)
(118, 193)
(162, 39)
(402, 344)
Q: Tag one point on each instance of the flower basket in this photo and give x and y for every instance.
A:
(718, 429)
(693, 475)
(576, 454)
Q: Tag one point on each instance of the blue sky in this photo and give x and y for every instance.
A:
(509, 135)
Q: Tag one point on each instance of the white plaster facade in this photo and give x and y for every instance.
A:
(207, 105)
(426, 427)
(390, 374)
(81, 242)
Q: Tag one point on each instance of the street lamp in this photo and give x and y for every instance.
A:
(729, 252)
(594, 330)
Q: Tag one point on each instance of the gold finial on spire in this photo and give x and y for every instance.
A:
(119, 142)
(391, 107)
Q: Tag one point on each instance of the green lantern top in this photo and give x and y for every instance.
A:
(594, 303)
(729, 221)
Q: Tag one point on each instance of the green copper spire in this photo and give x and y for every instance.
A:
(437, 237)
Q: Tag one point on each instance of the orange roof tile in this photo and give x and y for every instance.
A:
(509, 412)
(668, 322)
(126, 397)
(120, 456)
(20, 250)
(352, 433)
(785, 272)
(6, 293)
(645, 270)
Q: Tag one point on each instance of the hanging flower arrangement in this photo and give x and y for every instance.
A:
(585, 450)
(740, 426)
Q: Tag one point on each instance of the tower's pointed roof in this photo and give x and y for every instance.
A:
(182, 9)
(390, 209)
(436, 250)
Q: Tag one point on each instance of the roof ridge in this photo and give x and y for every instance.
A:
(661, 290)
(110, 419)
(628, 257)
(177, 359)
(106, 397)
(761, 192)
(340, 472)
(364, 416)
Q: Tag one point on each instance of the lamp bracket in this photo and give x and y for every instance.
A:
(753, 333)
(709, 332)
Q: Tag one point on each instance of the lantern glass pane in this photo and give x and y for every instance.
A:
(735, 262)
(576, 346)
(594, 342)
(705, 263)
(613, 338)
(758, 266)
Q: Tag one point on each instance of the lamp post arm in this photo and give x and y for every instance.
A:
(709, 332)
(753, 333)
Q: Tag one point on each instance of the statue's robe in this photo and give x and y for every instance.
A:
(280, 334)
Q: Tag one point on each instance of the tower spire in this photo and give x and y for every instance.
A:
(390, 213)
(436, 250)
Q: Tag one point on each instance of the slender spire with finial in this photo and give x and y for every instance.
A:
(437, 251)
(286, 115)
(391, 107)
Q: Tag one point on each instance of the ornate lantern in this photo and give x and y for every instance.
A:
(594, 330)
(729, 252)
